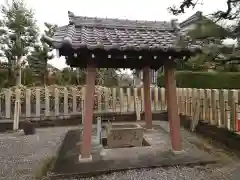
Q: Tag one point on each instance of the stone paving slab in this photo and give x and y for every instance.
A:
(157, 155)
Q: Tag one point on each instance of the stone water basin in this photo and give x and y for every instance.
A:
(125, 135)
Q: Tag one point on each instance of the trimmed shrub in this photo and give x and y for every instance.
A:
(205, 80)
(29, 128)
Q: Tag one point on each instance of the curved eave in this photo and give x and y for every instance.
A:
(52, 42)
(79, 47)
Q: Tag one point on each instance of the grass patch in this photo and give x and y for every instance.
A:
(11, 131)
(215, 147)
(45, 167)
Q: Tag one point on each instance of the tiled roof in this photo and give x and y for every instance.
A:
(192, 19)
(115, 34)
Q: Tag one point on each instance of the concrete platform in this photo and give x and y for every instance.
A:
(158, 154)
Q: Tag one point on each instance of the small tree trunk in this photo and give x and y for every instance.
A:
(19, 71)
(11, 77)
(17, 101)
(46, 75)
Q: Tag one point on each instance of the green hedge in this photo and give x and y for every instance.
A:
(205, 80)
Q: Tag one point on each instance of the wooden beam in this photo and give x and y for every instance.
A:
(172, 107)
(147, 98)
(86, 145)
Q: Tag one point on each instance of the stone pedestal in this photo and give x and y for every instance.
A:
(129, 135)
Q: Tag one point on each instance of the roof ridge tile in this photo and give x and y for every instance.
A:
(118, 23)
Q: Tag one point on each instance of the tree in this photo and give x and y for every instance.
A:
(104, 76)
(125, 80)
(214, 54)
(107, 77)
(18, 34)
(3, 74)
(231, 12)
(66, 76)
(236, 31)
(39, 57)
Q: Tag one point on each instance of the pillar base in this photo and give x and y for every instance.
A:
(178, 152)
(103, 152)
(149, 130)
(85, 160)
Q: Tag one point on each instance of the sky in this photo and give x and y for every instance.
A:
(55, 11)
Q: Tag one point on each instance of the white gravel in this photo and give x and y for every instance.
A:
(172, 173)
(22, 156)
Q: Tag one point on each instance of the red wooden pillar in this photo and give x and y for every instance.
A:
(88, 112)
(147, 100)
(172, 107)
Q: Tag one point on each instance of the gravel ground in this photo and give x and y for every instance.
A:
(173, 173)
(21, 157)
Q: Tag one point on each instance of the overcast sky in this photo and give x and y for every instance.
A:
(55, 11)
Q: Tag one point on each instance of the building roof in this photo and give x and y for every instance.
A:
(90, 34)
(214, 30)
(192, 19)
(108, 34)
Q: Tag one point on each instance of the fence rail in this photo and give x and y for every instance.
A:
(217, 107)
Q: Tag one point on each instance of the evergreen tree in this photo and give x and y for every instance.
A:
(18, 34)
(38, 59)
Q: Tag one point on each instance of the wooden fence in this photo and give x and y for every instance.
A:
(217, 107)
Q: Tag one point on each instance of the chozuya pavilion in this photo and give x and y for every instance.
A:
(92, 43)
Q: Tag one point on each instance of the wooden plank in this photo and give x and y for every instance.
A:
(17, 109)
(208, 106)
(196, 113)
(233, 103)
(65, 106)
(28, 103)
(218, 108)
(194, 98)
(201, 96)
(56, 102)
(214, 116)
(99, 101)
(222, 103)
(190, 100)
(156, 98)
(137, 105)
(142, 99)
(135, 95)
(185, 101)
(163, 99)
(121, 100)
(47, 102)
(180, 93)
(106, 99)
(38, 101)
(114, 99)
(74, 100)
(128, 99)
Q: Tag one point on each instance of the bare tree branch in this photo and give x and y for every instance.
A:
(231, 13)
